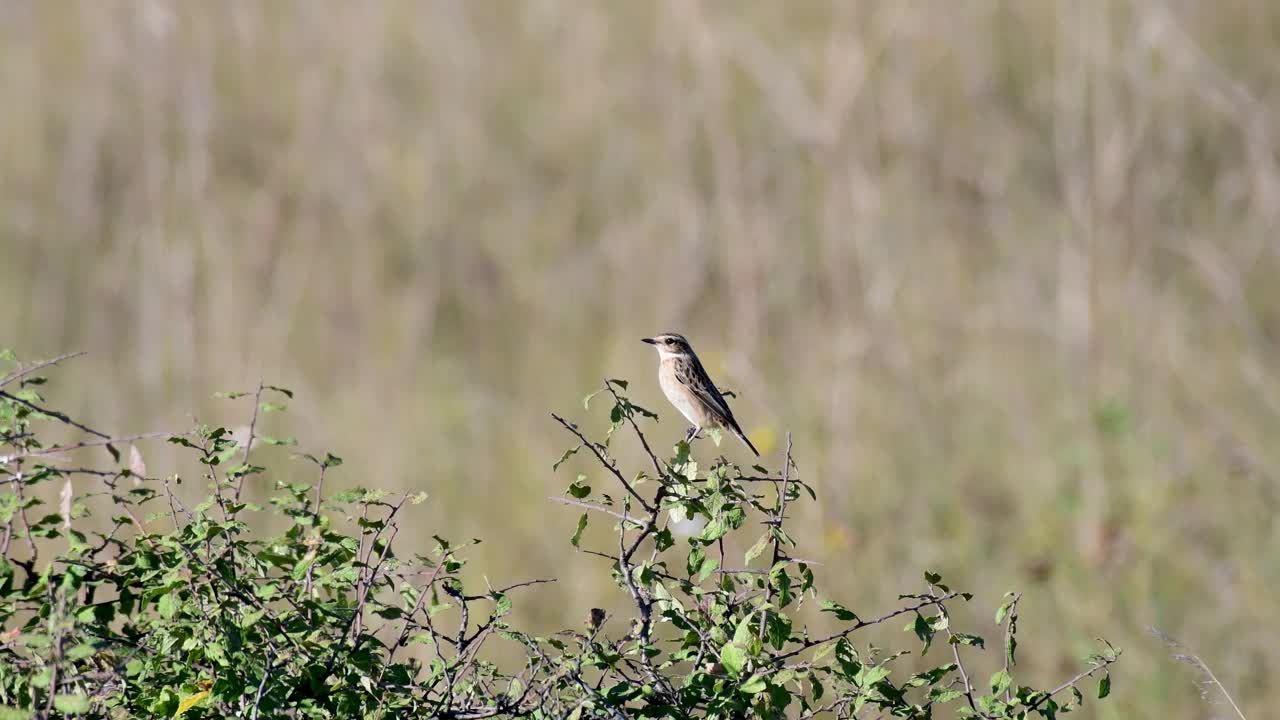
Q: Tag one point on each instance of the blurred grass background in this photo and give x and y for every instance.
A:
(1006, 269)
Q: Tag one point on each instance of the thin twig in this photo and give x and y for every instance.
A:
(509, 588)
(262, 685)
(955, 653)
(603, 461)
(595, 507)
(1106, 662)
(248, 443)
(106, 440)
(777, 533)
(657, 466)
(24, 372)
(809, 644)
(55, 414)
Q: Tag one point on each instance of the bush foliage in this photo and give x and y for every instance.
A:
(123, 601)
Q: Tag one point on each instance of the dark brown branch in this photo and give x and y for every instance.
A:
(62, 417)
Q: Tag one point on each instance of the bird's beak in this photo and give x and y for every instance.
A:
(651, 341)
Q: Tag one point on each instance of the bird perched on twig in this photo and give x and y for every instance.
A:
(685, 383)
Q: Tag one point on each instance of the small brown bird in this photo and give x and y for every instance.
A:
(685, 383)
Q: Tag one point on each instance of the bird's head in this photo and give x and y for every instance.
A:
(670, 344)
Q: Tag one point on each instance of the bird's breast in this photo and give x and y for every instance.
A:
(679, 395)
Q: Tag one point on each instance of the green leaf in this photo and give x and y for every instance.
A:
(300, 570)
(999, 682)
(823, 651)
(754, 686)
(778, 627)
(168, 605)
(1104, 686)
(13, 713)
(577, 534)
(81, 651)
(733, 657)
(502, 604)
(1010, 647)
(934, 578)
(923, 630)
(871, 674)
(755, 550)
(709, 565)
(567, 454)
(930, 677)
(694, 562)
(944, 695)
(745, 631)
(714, 530)
(1004, 609)
(716, 435)
(579, 488)
(620, 383)
(967, 639)
(268, 440)
(841, 612)
(72, 704)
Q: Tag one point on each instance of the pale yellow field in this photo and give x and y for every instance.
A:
(1006, 270)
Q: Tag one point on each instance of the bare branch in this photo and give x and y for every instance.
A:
(30, 369)
(608, 464)
(106, 440)
(595, 507)
(62, 417)
(657, 466)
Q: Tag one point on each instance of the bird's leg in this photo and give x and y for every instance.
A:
(693, 433)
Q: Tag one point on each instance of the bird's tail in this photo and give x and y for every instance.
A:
(743, 437)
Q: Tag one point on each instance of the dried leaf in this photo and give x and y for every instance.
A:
(190, 702)
(64, 506)
(136, 465)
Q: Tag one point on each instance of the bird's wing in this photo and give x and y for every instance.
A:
(695, 377)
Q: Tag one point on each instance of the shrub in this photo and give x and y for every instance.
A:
(165, 610)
